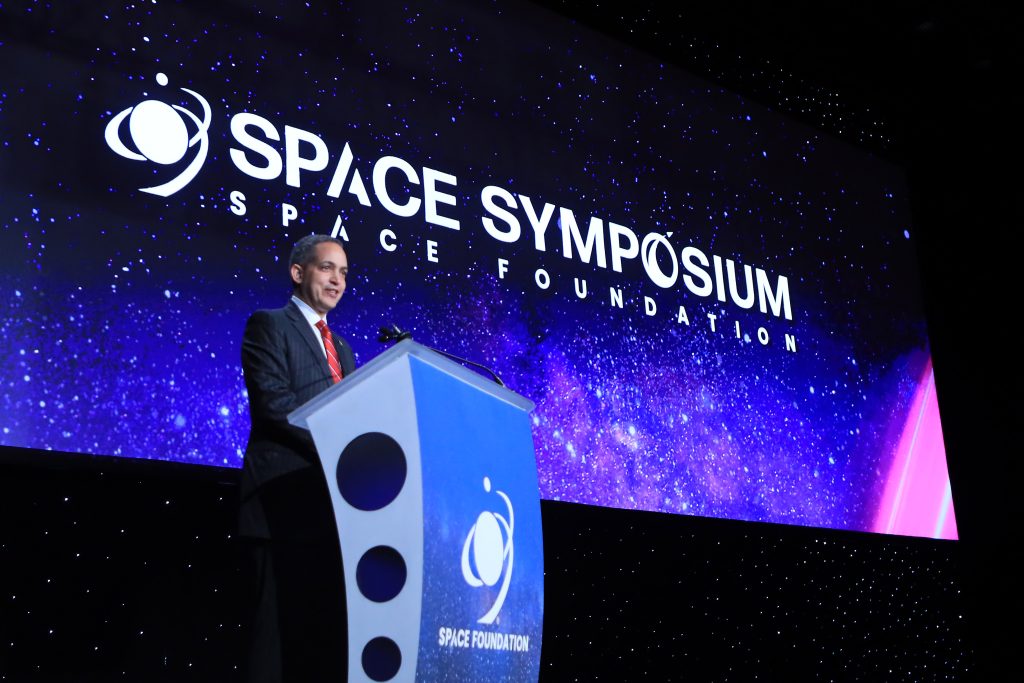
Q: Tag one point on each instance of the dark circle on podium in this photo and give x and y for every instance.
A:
(371, 471)
(381, 659)
(381, 573)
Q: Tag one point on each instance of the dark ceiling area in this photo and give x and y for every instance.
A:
(894, 70)
(934, 88)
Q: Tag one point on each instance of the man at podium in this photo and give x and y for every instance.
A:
(289, 355)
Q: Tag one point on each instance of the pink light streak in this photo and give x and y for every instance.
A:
(917, 500)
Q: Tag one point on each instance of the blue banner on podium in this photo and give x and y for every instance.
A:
(478, 536)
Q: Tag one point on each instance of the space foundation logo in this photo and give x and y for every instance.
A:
(487, 553)
(160, 134)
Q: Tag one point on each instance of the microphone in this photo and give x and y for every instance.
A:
(392, 333)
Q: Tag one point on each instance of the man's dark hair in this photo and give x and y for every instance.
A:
(305, 249)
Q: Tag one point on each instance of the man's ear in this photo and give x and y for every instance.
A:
(296, 273)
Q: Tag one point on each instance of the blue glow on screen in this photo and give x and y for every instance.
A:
(123, 309)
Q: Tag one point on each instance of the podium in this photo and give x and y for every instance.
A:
(433, 483)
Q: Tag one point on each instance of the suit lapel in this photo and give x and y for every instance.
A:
(306, 332)
(338, 348)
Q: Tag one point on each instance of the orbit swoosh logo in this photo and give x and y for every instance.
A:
(162, 134)
(487, 553)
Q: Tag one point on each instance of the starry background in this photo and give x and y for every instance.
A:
(143, 298)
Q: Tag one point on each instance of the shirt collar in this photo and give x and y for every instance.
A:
(311, 316)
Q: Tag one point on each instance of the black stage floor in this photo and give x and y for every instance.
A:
(128, 570)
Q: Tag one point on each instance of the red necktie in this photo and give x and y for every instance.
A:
(332, 355)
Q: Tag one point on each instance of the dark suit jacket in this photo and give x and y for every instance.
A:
(283, 490)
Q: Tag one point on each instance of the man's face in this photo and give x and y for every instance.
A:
(321, 282)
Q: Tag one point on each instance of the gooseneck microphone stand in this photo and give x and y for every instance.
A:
(391, 333)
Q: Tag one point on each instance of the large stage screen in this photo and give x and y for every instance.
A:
(715, 308)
